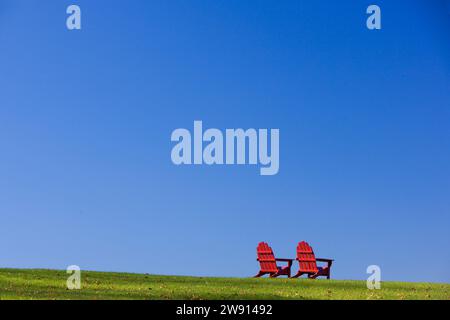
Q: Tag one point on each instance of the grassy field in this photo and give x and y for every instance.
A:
(51, 284)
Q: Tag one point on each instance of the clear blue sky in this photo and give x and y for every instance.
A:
(86, 117)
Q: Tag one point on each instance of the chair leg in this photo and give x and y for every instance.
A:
(259, 274)
(313, 276)
(274, 275)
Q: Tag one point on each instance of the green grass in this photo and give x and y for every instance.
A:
(51, 284)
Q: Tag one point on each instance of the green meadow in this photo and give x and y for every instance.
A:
(51, 284)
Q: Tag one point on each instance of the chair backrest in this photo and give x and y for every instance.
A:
(266, 258)
(306, 258)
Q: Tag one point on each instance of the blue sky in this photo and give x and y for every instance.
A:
(86, 118)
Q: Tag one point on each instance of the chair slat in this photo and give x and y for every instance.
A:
(306, 258)
(266, 258)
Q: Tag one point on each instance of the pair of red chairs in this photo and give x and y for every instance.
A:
(307, 262)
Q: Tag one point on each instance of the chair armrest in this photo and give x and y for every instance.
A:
(289, 261)
(328, 261)
(324, 260)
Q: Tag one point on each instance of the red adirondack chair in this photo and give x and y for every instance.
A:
(268, 262)
(308, 262)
